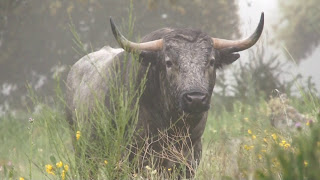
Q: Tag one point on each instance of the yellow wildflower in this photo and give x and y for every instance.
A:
(287, 145)
(274, 136)
(49, 169)
(105, 162)
(284, 144)
(66, 167)
(169, 169)
(248, 147)
(308, 123)
(305, 163)
(265, 140)
(21, 178)
(78, 135)
(263, 150)
(59, 164)
(249, 131)
(63, 175)
(259, 156)
(254, 137)
(246, 119)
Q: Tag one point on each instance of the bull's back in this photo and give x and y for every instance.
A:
(88, 79)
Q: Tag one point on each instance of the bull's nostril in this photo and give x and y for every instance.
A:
(188, 98)
(195, 98)
(195, 102)
(204, 98)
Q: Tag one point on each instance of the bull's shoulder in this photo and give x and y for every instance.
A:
(87, 78)
(95, 61)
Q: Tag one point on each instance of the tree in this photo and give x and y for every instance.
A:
(299, 27)
(35, 34)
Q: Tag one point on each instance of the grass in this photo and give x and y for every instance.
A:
(240, 144)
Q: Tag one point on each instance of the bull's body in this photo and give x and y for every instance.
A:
(181, 69)
(88, 81)
(87, 78)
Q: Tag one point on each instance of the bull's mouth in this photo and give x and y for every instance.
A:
(195, 109)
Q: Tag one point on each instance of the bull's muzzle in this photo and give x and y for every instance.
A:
(195, 102)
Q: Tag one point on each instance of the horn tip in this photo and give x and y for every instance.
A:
(262, 16)
(113, 28)
(261, 22)
(111, 22)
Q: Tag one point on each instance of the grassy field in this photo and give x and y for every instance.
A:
(254, 137)
(238, 144)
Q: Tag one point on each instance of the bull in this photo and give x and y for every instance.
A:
(180, 67)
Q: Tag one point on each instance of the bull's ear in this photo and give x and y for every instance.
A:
(148, 57)
(228, 58)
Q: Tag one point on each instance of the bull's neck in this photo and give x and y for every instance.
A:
(155, 107)
(151, 99)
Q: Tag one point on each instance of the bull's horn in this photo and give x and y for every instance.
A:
(131, 46)
(240, 45)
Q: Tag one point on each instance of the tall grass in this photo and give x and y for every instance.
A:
(230, 151)
(239, 142)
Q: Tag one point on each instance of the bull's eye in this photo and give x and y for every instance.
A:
(168, 64)
(212, 61)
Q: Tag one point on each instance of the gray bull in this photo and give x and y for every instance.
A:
(181, 75)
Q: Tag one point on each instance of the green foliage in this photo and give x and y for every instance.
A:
(302, 162)
(34, 148)
(242, 144)
(230, 151)
(257, 79)
(106, 133)
(36, 34)
(299, 26)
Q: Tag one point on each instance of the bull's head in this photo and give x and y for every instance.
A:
(188, 60)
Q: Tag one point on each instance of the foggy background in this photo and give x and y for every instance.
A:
(36, 44)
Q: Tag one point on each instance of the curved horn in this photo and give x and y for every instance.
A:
(240, 45)
(131, 46)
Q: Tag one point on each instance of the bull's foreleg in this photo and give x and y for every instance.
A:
(194, 159)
